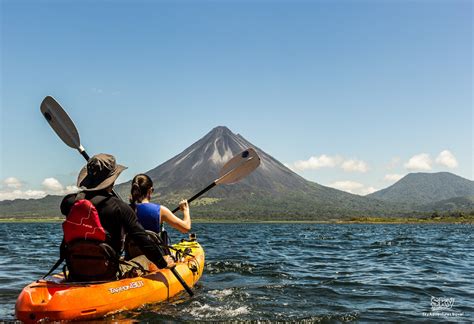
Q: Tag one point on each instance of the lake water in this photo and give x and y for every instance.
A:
(291, 272)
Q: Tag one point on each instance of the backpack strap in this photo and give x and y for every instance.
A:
(61, 259)
(55, 266)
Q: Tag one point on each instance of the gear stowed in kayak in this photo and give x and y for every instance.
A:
(55, 299)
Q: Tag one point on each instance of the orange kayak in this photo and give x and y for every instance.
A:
(56, 300)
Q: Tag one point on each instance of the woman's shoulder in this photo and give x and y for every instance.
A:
(148, 206)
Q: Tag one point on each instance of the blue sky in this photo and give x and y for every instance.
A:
(350, 94)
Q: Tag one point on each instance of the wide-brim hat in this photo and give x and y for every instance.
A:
(99, 173)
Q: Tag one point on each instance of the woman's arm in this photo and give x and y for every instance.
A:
(182, 225)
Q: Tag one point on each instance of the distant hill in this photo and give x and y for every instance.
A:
(272, 191)
(428, 189)
(31, 208)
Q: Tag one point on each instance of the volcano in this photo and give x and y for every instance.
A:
(271, 190)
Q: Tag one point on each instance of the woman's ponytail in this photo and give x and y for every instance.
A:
(141, 183)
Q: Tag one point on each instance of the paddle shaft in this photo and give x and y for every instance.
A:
(85, 155)
(209, 187)
(181, 281)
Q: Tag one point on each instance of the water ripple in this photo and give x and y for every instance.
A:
(308, 273)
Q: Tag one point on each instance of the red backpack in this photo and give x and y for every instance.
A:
(83, 222)
(87, 254)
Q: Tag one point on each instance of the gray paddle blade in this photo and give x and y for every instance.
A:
(60, 122)
(239, 167)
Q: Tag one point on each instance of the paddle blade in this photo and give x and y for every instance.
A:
(60, 122)
(239, 167)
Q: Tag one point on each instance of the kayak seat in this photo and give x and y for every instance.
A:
(90, 260)
(132, 250)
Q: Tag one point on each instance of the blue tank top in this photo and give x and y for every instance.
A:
(149, 216)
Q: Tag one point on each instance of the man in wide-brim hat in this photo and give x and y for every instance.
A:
(99, 173)
(96, 181)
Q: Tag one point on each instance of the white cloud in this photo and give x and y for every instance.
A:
(326, 161)
(367, 190)
(354, 166)
(393, 177)
(317, 162)
(71, 189)
(446, 158)
(349, 186)
(12, 183)
(352, 187)
(16, 194)
(419, 162)
(12, 189)
(52, 185)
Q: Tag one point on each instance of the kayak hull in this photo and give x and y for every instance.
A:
(57, 300)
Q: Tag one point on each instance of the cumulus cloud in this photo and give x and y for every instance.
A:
(12, 183)
(326, 161)
(353, 187)
(52, 185)
(13, 189)
(15, 194)
(71, 189)
(393, 177)
(419, 162)
(354, 166)
(317, 162)
(447, 159)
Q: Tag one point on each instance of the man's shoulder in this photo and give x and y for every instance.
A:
(118, 202)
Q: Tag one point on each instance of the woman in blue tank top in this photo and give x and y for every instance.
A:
(151, 215)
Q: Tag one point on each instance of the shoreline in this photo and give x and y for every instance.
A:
(360, 220)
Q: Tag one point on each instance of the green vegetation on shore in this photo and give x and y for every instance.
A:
(435, 218)
(451, 218)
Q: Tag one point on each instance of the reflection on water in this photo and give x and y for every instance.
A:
(296, 272)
